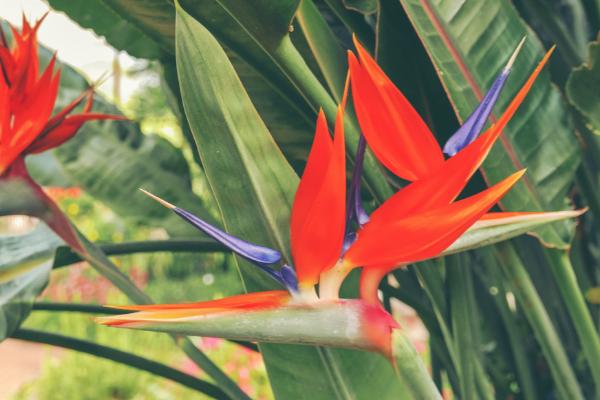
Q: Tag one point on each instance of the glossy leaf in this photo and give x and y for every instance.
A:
(583, 87)
(254, 187)
(25, 265)
(469, 42)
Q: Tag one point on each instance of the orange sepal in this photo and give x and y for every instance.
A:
(246, 302)
(319, 211)
(394, 130)
(422, 235)
(370, 278)
(66, 130)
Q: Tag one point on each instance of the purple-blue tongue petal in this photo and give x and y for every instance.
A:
(289, 278)
(354, 205)
(253, 252)
(355, 210)
(260, 255)
(473, 126)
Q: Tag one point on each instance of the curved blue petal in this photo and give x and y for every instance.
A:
(473, 126)
(354, 204)
(253, 252)
(289, 278)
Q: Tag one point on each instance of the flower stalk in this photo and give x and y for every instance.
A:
(411, 369)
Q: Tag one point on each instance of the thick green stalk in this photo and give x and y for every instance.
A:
(122, 357)
(66, 257)
(566, 281)
(519, 354)
(535, 312)
(411, 370)
(294, 65)
(484, 386)
(323, 44)
(459, 283)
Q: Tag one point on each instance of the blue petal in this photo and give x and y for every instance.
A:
(473, 126)
(260, 255)
(354, 205)
(349, 239)
(288, 276)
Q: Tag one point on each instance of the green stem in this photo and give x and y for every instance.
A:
(411, 370)
(75, 307)
(294, 65)
(323, 44)
(519, 353)
(566, 281)
(122, 357)
(535, 312)
(65, 256)
(484, 387)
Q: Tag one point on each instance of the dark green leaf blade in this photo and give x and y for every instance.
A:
(25, 265)
(583, 87)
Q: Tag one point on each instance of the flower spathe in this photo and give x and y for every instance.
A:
(419, 222)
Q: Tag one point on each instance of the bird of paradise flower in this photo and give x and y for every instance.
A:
(331, 234)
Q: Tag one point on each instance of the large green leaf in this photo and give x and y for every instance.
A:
(583, 87)
(254, 186)
(25, 265)
(241, 27)
(143, 28)
(470, 42)
(269, 49)
(291, 128)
